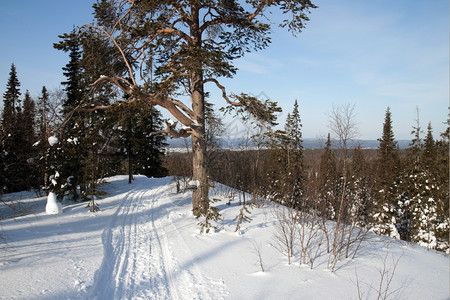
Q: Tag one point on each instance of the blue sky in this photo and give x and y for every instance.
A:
(373, 54)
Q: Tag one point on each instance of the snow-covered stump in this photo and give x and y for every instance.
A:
(53, 206)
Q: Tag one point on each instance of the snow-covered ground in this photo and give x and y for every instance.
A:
(145, 244)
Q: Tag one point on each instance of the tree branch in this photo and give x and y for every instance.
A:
(116, 80)
(130, 70)
(235, 20)
(224, 93)
(172, 132)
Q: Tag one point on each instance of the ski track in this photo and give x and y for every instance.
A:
(138, 262)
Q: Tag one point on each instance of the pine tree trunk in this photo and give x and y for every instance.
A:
(199, 171)
(200, 201)
(200, 194)
(130, 166)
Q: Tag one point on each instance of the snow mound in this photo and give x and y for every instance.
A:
(53, 140)
(53, 206)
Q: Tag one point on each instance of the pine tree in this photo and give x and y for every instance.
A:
(284, 180)
(329, 182)
(43, 112)
(84, 133)
(11, 137)
(65, 161)
(441, 171)
(419, 192)
(28, 127)
(359, 189)
(144, 149)
(412, 176)
(294, 147)
(429, 154)
(385, 206)
(72, 71)
(29, 120)
(425, 193)
(43, 120)
(10, 102)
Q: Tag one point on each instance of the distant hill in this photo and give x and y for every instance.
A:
(308, 143)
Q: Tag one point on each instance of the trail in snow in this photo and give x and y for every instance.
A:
(137, 261)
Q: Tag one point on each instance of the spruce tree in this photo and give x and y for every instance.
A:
(359, 189)
(10, 102)
(43, 133)
(65, 161)
(84, 133)
(412, 177)
(429, 154)
(43, 112)
(30, 155)
(294, 147)
(149, 147)
(142, 148)
(11, 137)
(29, 120)
(72, 71)
(419, 192)
(329, 182)
(442, 174)
(384, 208)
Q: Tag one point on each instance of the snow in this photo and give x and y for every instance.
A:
(144, 243)
(53, 140)
(53, 206)
(194, 183)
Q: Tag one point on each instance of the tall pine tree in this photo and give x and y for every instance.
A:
(384, 208)
(43, 133)
(441, 172)
(329, 182)
(27, 127)
(422, 201)
(137, 141)
(294, 148)
(72, 71)
(12, 160)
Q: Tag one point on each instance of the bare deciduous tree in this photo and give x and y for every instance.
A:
(344, 127)
(285, 235)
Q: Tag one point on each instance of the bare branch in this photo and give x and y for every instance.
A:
(224, 93)
(342, 123)
(124, 15)
(116, 80)
(130, 70)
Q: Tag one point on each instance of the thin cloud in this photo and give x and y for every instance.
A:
(259, 64)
